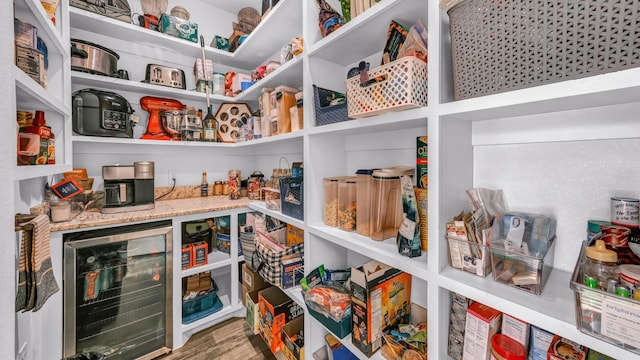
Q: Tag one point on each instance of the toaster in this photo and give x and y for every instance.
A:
(101, 113)
(165, 76)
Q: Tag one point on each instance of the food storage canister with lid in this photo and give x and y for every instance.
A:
(363, 201)
(601, 263)
(330, 213)
(347, 203)
(505, 348)
(386, 206)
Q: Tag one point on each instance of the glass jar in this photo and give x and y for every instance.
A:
(218, 83)
(60, 211)
(386, 202)
(363, 201)
(217, 188)
(225, 188)
(600, 263)
(330, 213)
(347, 203)
(234, 184)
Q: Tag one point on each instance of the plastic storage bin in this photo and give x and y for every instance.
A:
(495, 43)
(528, 273)
(291, 197)
(326, 113)
(201, 305)
(272, 198)
(604, 315)
(403, 86)
(469, 256)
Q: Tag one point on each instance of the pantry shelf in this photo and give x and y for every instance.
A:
(34, 171)
(383, 251)
(31, 94)
(385, 122)
(289, 74)
(115, 84)
(33, 12)
(217, 259)
(205, 322)
(361, 36)
(262, 207)
(553, 310)
(349, 345)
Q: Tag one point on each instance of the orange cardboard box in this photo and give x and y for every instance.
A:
(276, 309)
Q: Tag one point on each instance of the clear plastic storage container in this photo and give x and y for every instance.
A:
(386, 211)
(364, 182)
(347, 203)
(330, 213)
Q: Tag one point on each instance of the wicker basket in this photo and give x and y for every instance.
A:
(507, 45)
(403, 86)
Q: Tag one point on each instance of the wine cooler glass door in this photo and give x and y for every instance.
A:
(117, 295)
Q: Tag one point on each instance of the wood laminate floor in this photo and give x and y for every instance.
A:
(229, 340)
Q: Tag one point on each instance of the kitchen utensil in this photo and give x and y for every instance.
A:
(209, 117)
(93, 58)
(155, 105)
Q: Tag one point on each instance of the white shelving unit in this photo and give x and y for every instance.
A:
(562, 149)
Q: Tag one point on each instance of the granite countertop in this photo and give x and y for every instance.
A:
(163, 209)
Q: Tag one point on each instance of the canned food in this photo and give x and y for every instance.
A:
(218, 83)
(625, 211)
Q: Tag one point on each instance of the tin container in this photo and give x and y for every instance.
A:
(625, 211)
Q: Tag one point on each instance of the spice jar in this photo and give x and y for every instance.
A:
(347, 203)
(601, 263)
(330, 214)
(386, 202)
(225, 188)
(217, 188)
(505, 348)
(363, 201)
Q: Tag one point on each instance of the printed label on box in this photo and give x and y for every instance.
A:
(621, 321)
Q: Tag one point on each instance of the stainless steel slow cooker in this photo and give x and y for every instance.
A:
(93, 58)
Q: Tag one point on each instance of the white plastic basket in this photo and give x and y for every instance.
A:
(403, 86)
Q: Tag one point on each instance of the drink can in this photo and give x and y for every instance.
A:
(623, 291)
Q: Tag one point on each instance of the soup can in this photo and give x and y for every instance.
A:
(624, 211)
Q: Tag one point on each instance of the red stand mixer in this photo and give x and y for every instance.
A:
(156, 105)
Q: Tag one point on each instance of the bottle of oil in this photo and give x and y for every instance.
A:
(204, 185)
(210, 127)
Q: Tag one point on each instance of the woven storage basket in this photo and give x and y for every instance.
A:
(325, 112)
(404, 86)
(507, 45)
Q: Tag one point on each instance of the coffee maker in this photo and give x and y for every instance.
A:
(128, 187)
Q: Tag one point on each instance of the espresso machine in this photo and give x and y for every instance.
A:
(128, 187)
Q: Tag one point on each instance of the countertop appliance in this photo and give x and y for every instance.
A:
(93, 58)
(165, 76)
(128, 187)
(102, 113)
(118, 291)
(156, 105)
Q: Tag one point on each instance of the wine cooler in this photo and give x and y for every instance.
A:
(117, 292)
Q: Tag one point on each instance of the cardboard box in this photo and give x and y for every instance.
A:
(200, 253)
(198, 282)
(540, 341)
(276, 309)
(252, 312)
(594, 355)
(292, 271)
(252, 280)
(422, 162)
(245, 290)
(457, 322)
(292, 349)
(187, 256)
(295, 235)
(336, 350)
(481, 324)
(380, 298)
(179, 28)
(516, 329)
(561, 349)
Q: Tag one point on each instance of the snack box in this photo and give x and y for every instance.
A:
(293, 345)
(562, 349)
(539, 341)
(275, 310)
(375, 280)
(252, 311)
(482, 323)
